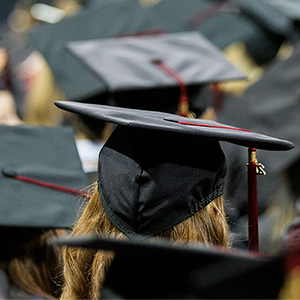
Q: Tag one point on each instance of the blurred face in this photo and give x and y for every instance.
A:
(29, 70)
(8, 114)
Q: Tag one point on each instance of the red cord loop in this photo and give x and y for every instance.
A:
(183, 107)
(207, 13)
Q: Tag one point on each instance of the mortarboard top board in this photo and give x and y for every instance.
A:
(152, 269)
(290, 8)
(276, 27)
(149, 120)
(270, 19)
(41, 177)
(205, 63)
(17, 51)
(249, 22)
(150, 175)
(207, 17)
(110, 18)
(155, 72)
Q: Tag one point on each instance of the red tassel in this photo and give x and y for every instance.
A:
(253, 244)
(207, 13)
(183, 105)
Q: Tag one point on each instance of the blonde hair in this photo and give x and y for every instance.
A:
(84, 270)
(39, 108)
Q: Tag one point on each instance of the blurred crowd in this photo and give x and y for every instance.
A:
(43, 60)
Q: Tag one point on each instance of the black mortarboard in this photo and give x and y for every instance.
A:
(151, 175)
(110, 18)
(155, 72)
(254, 23)
(276, 28)
(41, 177)
(152, 269)
(290, 8)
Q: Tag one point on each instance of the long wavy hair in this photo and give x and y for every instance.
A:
(85, 269)
(35, 267)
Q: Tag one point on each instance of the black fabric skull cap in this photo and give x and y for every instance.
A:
(158, 169)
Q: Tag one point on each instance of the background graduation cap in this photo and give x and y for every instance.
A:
(143, 131)
(109, 18)
(290, 8)
(157, 72)
(152, 269)
(259, 26)
(40, 179)
(271, 105)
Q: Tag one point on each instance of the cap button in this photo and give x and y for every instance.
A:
(8, 171)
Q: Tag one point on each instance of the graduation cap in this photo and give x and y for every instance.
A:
(109, 18)
(150, 175)
(254, 23)
(290, 8)
(271, 106)
(152, 269)
(41, 177)
(157, 72)
(270, 19)
(207, 17)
